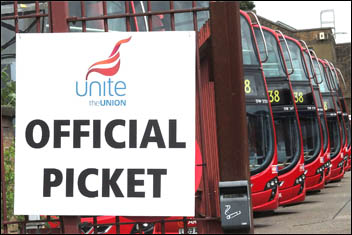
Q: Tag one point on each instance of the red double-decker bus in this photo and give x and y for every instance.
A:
(343, 115)
(261, 132)
(346, 119)
(287, 125)
(308, 116)
(319, 79)
(334, 124)
(315, 175)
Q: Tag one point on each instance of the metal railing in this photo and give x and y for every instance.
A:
(145, 18)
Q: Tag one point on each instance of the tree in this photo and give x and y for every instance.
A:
(247, 5)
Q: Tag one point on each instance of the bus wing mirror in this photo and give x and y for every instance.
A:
(288, 51)
(319, 67)
(262, 34)
(342, 78)
(314, 75)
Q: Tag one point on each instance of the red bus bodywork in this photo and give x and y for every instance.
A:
(315, 177)
(291, 178)
(264, 198)
(344, 120)
(336, 156)
(323, 118)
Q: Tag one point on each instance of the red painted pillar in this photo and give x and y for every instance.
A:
(70, 224)
(226, 48)
(59, 24)
(58, 16)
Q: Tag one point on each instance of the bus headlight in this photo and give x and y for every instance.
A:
(340, 164)
(320, 170)
(272, 184)
(327, 165)
(300, 179)
(144, 228)
(87, 228)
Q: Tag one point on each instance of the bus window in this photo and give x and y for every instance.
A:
(260, 136)
(184, 21)
(317, 72)
(331, 78)
(248, 52)
(342, 123)
(324, 85)
(254, 86)
(329, 105)
(298, 64)
(334, 79)
(334, 134)
(202, 16)
(273, 67)
(344, 129)
(337, 104)
(322, 118)
(309, 65)
(95, 8)
(162, 22)
(325, 131)
(317, 98)
(287, 138)
(311, 140)
(115, 8)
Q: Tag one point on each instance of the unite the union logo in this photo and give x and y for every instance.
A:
(114, 56)
(108, 91)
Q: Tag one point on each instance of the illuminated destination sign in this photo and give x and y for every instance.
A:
(254, 86)
(279, 94)
(303, 95)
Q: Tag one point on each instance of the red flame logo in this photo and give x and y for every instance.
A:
(115, 55)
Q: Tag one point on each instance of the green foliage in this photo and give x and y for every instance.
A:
(9, 163)
(9, 158)
(8, 89)
(247, 5)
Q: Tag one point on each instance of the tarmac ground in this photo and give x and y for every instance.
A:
(326, 212)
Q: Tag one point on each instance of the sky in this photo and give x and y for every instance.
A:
(306, 15)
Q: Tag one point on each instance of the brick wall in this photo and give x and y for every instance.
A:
(323, 48)
(343, 54)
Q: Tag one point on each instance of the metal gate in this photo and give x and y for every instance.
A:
(220, 127)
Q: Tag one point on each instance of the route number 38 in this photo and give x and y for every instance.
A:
(274, 96)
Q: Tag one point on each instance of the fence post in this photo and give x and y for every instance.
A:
(226, 48)
(58, 16)
(70, 224)
(58, 22)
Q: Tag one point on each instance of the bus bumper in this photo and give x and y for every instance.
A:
(291, 195)
(260, 201)
(327, 174)
(348, 168)
(336, 174)
(315, 182)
